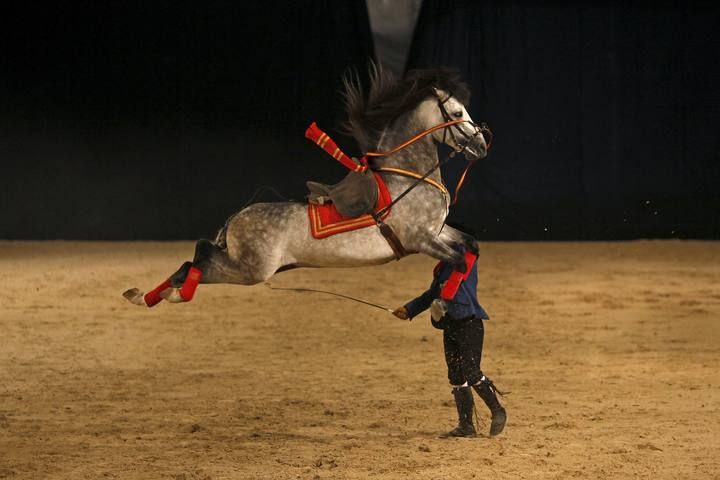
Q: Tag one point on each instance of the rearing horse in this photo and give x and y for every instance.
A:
(266, 238)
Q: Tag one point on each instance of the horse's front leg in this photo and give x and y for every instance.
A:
(456, 238)
(436, 247)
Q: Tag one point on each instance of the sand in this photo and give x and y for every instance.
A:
(610, 350)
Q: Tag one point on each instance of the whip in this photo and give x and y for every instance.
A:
(347, 297)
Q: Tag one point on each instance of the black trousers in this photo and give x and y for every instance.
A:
(463, 341)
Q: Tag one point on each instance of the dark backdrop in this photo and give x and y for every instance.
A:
(156, 120)
(606, 116)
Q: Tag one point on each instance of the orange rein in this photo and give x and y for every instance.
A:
(316, 135)
(460, 183)
(415, 139)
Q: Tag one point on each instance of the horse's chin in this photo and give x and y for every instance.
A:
(474, 153)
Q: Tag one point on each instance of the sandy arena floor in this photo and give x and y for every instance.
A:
(610, 350)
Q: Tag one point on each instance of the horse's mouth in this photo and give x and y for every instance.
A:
(475, 152)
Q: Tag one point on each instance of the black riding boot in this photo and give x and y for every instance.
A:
(487, 391)
(464, 402)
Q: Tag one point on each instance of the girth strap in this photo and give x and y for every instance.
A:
(392, 239)
(385, 229)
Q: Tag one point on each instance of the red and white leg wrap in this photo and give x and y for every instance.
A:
(153, 297)
(450, 289)
(187, 291)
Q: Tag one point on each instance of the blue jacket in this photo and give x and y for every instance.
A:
(464, 305)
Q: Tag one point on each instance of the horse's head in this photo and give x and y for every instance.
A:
(420, 101)
(464, 136)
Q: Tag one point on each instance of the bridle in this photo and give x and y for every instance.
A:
(448, 125)
(361, 165)
(483, 128)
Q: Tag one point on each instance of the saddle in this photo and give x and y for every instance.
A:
(359, 200)
(354, 195)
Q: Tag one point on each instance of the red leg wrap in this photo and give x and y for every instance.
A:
(450, 289)
(153, 297)
(187, 291)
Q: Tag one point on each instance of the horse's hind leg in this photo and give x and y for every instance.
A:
(154, 296)
(184, 282)
(212, 264)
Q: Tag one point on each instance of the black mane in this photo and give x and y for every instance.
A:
(388, 97)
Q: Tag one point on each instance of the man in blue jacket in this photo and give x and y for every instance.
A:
(454, 308)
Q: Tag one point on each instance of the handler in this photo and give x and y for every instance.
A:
(454, 308)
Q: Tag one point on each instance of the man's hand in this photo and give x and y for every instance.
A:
(401, 313)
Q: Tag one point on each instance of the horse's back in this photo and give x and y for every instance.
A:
(282, 231)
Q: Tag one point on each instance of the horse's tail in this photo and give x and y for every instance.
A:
(221, 237)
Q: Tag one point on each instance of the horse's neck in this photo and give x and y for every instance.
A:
(418, 157)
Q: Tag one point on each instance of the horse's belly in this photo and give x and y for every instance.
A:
(356, 248)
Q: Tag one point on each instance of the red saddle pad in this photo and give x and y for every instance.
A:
(325, 220)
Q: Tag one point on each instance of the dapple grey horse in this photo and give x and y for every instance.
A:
(266, 238)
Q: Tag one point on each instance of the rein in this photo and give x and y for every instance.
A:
(316, 135)
(415, 138)
(448, 123)
(424, 178)
(386, 231)
(322, 139)
(411, 174)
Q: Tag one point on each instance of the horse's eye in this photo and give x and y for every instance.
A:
(457, 114)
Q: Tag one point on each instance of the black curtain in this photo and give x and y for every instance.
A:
(606, 117)
(157, 120)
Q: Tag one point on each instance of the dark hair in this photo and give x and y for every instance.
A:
(388, 97)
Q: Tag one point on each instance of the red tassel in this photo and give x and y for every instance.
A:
(153, 297)
(187, 291)
(323, 141)
(313, 132)
(452, 285)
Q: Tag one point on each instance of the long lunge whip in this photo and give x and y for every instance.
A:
(348, 297)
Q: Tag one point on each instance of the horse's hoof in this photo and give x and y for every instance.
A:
(135, 296)
(172, 295)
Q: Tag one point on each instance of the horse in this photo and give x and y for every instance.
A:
(267, 238)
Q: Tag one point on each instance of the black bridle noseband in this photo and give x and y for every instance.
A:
(482, 129)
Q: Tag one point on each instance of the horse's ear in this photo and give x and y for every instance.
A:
(439, 94)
